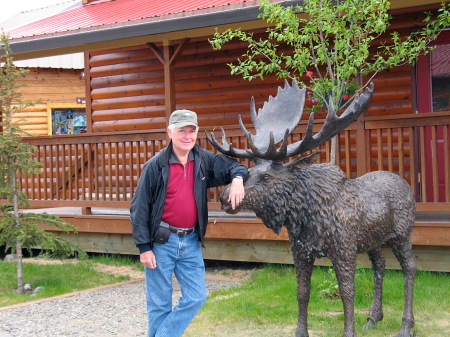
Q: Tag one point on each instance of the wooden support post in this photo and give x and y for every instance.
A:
(169, 81)
(87, 82)
(168, 58)
(86, 210)
(361, 143)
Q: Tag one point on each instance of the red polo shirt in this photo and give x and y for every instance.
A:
(180, 208)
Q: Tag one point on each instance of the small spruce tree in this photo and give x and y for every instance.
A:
(331, 43)
(19, 230)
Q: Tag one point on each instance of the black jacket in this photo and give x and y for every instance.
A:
(147, 206)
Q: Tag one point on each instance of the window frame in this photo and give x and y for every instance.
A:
(423, 75)
(62, 106)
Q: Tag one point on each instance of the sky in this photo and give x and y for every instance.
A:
(13, 7)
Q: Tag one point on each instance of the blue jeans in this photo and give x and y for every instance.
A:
(182, 256)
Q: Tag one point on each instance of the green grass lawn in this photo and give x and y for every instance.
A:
(267, 306)
(57, 279)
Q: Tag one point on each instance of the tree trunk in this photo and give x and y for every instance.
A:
(17, 224)
(333, 150)
(19, 268)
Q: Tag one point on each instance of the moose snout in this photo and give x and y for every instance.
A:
(226, 206)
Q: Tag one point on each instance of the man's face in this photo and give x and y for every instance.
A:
(184, 138)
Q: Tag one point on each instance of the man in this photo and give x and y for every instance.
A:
(172, 190)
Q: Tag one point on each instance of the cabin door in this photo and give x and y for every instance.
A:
(433, 96)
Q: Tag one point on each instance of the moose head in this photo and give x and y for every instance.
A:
(273, 124)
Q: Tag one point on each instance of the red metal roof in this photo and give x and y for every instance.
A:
(104, 12)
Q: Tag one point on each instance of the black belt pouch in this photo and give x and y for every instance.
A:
(162, 233)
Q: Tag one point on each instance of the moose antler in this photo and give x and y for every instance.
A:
(280, 116)
(332, 125)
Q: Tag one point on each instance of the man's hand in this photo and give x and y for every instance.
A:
(236, 192)
(148, 259)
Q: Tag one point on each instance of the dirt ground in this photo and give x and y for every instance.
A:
(215, 271)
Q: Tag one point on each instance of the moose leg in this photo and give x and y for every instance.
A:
(304, 269)
(403, 252)
(345, 274)
(376, 256)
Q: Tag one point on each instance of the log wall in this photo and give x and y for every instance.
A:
(44, 86)
(128, 90)
(33, 120)
(392, 94)
(53, 85)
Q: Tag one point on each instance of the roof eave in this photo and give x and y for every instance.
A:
(97, 38)
(159, 29)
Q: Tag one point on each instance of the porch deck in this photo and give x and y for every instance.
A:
(243, 237)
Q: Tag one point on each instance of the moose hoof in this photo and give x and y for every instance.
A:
(370, 324)
(406, 334)
(303, 333)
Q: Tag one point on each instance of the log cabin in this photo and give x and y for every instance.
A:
(144, 61)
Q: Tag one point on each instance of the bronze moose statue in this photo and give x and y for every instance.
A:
(326, 213)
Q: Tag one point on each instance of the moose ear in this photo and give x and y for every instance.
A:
(303, 162)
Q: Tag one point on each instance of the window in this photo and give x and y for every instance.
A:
(440, 78)
(433, 77)
(66, 120)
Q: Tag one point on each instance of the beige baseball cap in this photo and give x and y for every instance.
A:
(181, 118)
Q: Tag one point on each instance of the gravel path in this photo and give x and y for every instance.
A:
(104, 312)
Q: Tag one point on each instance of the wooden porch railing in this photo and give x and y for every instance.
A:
(417, 147)
(102, 169)
(90, 170)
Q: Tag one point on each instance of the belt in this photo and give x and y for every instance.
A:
(181, 232)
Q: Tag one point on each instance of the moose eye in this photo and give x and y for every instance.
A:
(266, 176)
